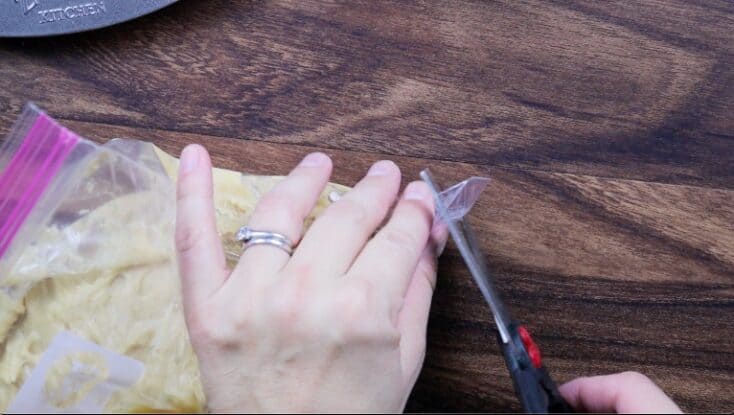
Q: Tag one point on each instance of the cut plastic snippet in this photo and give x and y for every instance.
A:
(461, 197)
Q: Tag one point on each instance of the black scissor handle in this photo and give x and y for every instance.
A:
(534, 387)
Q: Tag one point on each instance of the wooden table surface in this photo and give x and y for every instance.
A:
(607, 128)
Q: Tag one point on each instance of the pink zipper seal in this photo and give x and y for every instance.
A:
(36, 173)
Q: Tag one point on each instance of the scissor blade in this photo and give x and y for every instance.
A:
(31, 18)
(467, 244)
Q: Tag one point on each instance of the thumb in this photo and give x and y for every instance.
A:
(628, 392)
(201, 261)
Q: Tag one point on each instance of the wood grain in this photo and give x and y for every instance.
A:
(611, 89)
(605, 126)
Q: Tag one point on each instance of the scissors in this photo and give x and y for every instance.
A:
(533, 385)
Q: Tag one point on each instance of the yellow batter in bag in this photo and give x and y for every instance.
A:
(109, 278)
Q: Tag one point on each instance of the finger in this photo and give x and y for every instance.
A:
(283, 210)
(201, 260)
(628, 392)
(413, 317)
(390, 259)
(414, 314)
(339, 234)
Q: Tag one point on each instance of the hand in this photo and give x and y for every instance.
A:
(340, 325)
(628, 392)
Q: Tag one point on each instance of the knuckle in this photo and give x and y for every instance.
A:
(204, 333)
(284, 310)
(376, 330)
(190, 186)
(303, 273)
(351, 305)
(242, 320)
(353, 302)
(421, 215)
(401, 242)
(187, 237)
(276, 204)
(350, 210)
(634, 377)
(362, 317)
(209, 329)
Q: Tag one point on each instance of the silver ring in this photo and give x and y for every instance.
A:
(251, 237)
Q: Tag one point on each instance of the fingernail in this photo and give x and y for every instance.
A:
(381, 168)
(189, 160)
(314, 160)
(416, 191)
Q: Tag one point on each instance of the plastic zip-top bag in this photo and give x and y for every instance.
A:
(91, 318)
(90, 312)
